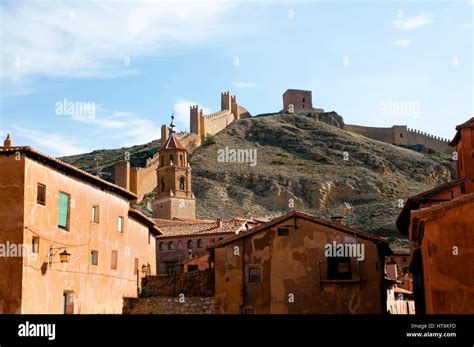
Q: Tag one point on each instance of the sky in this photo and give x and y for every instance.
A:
(79, 76)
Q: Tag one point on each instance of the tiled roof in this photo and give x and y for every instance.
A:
(467, 124)
(69, 169)
(172, 143)
(195, 228)
(317, 220)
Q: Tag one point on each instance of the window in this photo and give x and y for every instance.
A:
(120, 224)
(135, 268)
(463, 189)
(94, 257)
(68, 299)
(63, 210)
(149, 237)
(162, 185)
(95, 214)
(170, 246)
(181, 162)
(181, 183)
(35, 244)
(200, 244)
(114, 260)
(41, 194)
(254, 274)
(171, 159)
(303, 100)
(162, 246)
(192, 268)
(339, 268)
(190, 244)
(303, 106)
(283, 231)
(401, 135)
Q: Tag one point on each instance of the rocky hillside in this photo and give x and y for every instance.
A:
(309, 165)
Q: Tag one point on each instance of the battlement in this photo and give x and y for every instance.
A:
(434, 137)
(401, 135)
(217, 114)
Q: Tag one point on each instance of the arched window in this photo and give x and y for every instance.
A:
(181, 162)
(181, 183)
(200, 244)
(171, 159)
(162, 185)
(190, 244)
(162, 246)
(170, 246)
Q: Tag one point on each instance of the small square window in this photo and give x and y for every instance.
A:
(114, 260)
(35, 244)
(41, 194)
(283, 231)
(254, 275)
(120, 224)
(94, 258)
(95, 214)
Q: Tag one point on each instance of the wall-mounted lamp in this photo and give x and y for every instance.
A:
(63, 256)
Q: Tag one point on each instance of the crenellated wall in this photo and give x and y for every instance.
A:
(211, 124)
(401, 135)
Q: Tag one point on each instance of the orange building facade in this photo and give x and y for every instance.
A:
(440, 226)
(281, 267)
(53, 211)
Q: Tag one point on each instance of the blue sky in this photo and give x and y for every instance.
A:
(139, 61)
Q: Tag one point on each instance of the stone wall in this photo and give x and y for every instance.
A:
(195, 283)
(401, 135)
(168, 305)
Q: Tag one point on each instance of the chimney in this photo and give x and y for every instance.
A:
(219, 222)
(336, 219)
(8, 141)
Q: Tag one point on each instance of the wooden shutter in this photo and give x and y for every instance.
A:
(63, 214)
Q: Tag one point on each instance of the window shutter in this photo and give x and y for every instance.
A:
(63, 210)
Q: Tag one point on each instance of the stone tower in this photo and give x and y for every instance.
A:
(225, 101)
(175, 198)
(300, 99)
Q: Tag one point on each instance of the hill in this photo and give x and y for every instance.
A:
(305, 164)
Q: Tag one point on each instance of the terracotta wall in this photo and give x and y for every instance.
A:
(448, 278)
(290, 265)
(143, 180)
(11, 230)
(97, 288)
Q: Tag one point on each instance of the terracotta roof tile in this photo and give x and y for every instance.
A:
(172, 143)
(200, 228)
(70, 169)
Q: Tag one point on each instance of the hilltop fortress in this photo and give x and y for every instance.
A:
(143, 180)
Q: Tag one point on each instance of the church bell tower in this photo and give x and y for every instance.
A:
(175, 198)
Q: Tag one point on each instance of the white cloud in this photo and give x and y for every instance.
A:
(402, 43)
(181, 113)
(59, 145)
(243, 85)
(413, 22)
(94, 39)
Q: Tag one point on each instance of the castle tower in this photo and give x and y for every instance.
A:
(225, 101)
(234, 108)
(175, 198)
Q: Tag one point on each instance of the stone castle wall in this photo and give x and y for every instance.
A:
(401, 135)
